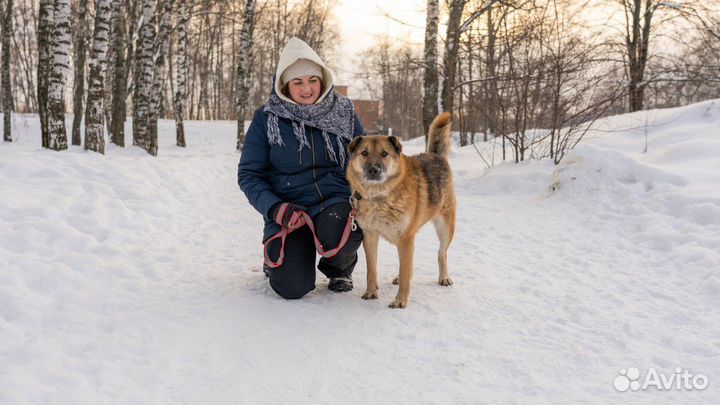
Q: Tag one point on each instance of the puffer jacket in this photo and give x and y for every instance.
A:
(269, 174)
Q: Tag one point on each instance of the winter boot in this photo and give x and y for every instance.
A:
(340, 284)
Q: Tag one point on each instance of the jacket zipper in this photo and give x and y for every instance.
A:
(312, 140)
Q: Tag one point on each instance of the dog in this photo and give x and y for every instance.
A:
(394, 195)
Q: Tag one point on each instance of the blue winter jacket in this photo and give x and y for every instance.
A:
(269, 174)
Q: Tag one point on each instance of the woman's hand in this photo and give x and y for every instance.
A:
(285, 214)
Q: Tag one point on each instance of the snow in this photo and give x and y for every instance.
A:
(131, 279)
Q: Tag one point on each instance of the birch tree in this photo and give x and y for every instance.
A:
(180, 95)
(60, 46)
(244, 69)
(143, 73)
(79, 82)
(7, 32)
(160, 74)
(107, 76)
(451, 51)
(94, 115)
(45, 15)
(119, 75)
(430, 77)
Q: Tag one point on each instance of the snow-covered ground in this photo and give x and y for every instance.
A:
(131, 279)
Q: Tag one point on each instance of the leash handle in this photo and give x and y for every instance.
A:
(297, 221)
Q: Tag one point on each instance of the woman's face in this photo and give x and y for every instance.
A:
(305, 90)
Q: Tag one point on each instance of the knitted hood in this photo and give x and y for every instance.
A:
(297, 49)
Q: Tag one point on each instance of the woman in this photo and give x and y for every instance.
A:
(293, 160)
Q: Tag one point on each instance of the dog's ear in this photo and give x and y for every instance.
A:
(396, 144)
(355, 143)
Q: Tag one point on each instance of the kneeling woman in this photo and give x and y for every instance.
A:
(293, 160)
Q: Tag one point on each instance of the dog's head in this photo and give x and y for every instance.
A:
(374, 159)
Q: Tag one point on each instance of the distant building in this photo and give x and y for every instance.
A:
(369, 113)
(341, 89)
(367, 110)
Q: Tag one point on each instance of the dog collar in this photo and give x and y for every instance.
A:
(355, 197)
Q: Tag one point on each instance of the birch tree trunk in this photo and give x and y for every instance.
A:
(143, 74)
(79, 82)
(158, 84)
(94, 116)
(108, 77)
(430, 78)
(244, 69)
(119, 72)
(7, 32)
(45, 16)
(180, 95)
(58, 74)
(451, 52)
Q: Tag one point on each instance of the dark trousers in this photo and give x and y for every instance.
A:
(296, 277)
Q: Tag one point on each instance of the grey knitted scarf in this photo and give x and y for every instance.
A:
(334, 115)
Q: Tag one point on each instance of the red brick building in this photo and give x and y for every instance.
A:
(367, 110)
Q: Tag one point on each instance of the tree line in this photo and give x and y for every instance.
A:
(106, 60)
(507, 68)
(504, 67)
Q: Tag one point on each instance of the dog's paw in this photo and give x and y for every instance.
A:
(398, 303)
(396, 280)
(370, 295)
(445, 281)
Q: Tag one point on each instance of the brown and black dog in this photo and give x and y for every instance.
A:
(395, 195)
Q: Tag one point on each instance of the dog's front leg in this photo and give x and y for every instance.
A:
(370, 245)
(405, 248)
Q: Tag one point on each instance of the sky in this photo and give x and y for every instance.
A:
(362, 21)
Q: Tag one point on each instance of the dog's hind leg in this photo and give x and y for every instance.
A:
(445, 229)
(370, 245)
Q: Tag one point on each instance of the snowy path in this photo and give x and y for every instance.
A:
(140, 283)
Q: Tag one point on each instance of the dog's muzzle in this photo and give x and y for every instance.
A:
(374, 173)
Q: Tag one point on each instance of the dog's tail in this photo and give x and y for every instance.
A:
(439, 135)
